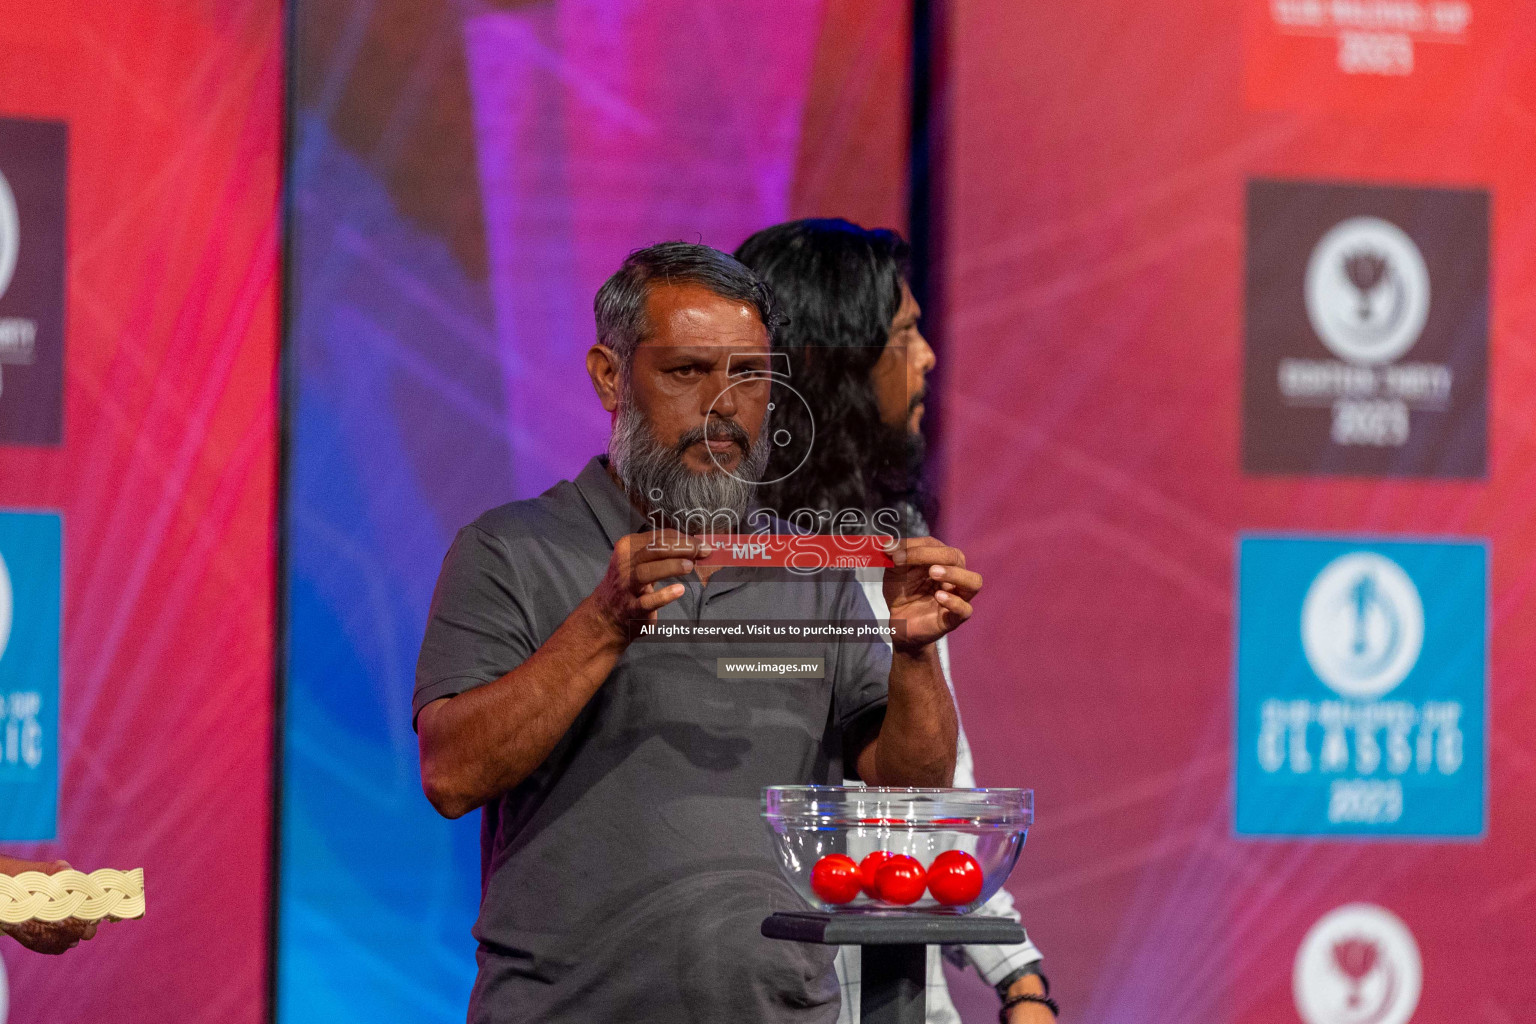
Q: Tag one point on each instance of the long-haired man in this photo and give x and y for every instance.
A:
(850, 401)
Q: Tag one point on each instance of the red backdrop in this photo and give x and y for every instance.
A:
(1094, 348)
(165, 481)
(1093, 274)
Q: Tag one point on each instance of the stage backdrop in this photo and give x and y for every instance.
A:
(462, 185)
(1241, 303)
(1234, 311)
(139, 170)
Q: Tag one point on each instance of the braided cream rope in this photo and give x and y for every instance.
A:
(34, 896)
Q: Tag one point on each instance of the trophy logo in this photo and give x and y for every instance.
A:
(1362, 625)
(1356, 958)
(10, 234)
(1358, 964)
(1367, 291)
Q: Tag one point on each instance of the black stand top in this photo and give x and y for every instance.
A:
(876, 929)
(894, 977)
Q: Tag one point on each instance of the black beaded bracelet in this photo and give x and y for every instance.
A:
(1023, 972)
(1012, 1001)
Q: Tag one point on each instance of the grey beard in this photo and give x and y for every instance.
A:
(654, 473)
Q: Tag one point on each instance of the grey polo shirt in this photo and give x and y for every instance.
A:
(625, 879)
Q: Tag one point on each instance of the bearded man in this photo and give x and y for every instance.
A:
(626, 869)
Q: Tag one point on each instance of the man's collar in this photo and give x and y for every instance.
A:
(608, 502)
(617, 513)
(618, 517)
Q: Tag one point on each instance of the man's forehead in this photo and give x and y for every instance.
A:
(691, 316)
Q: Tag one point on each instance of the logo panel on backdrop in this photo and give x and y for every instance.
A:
(1366, 342)
(32, 204)
(1361, 687)
(1358, 964)
(1372, 57)
(30, 586)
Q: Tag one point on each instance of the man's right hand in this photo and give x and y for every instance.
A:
(51, 937)
(627, 594)
(486, 740)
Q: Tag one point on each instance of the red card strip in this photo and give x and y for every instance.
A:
(804, 552)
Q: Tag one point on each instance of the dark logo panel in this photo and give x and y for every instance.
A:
(1366, 346)
(32, 191)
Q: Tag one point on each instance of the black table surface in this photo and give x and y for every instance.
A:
(887, 929)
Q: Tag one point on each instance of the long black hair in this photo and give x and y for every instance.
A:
(839, 286)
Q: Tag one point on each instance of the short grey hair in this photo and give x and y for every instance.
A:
(620, 304)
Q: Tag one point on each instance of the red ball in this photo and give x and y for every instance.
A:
(900, 880)
(835, 878)
(954, 878)
(869, 866)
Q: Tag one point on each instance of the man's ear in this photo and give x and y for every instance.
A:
(603, 368)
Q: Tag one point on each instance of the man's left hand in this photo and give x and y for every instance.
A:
(929, 590)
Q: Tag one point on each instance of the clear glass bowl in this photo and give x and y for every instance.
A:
(812, 822)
